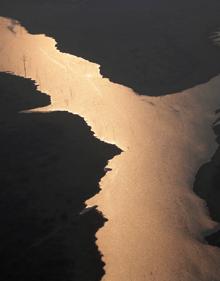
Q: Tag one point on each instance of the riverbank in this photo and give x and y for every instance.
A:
(155, 222)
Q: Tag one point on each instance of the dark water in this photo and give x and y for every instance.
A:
(50, 164)
(155, 47)
(47, 172)
(207, 186)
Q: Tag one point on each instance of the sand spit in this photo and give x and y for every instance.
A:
(155, 222)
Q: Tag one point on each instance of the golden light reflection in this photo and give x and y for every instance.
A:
(155, 220)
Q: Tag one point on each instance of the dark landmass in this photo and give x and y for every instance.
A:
(156, 47)
(207, 186)
(50, 164)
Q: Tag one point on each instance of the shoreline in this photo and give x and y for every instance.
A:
(51, 164)
(155, 221)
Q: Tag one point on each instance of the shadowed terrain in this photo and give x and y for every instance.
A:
(155, 47)
(207, 186)
(50, 164)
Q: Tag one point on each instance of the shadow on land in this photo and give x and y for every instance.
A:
(50, 164)
(207, 186)
(156, 47)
